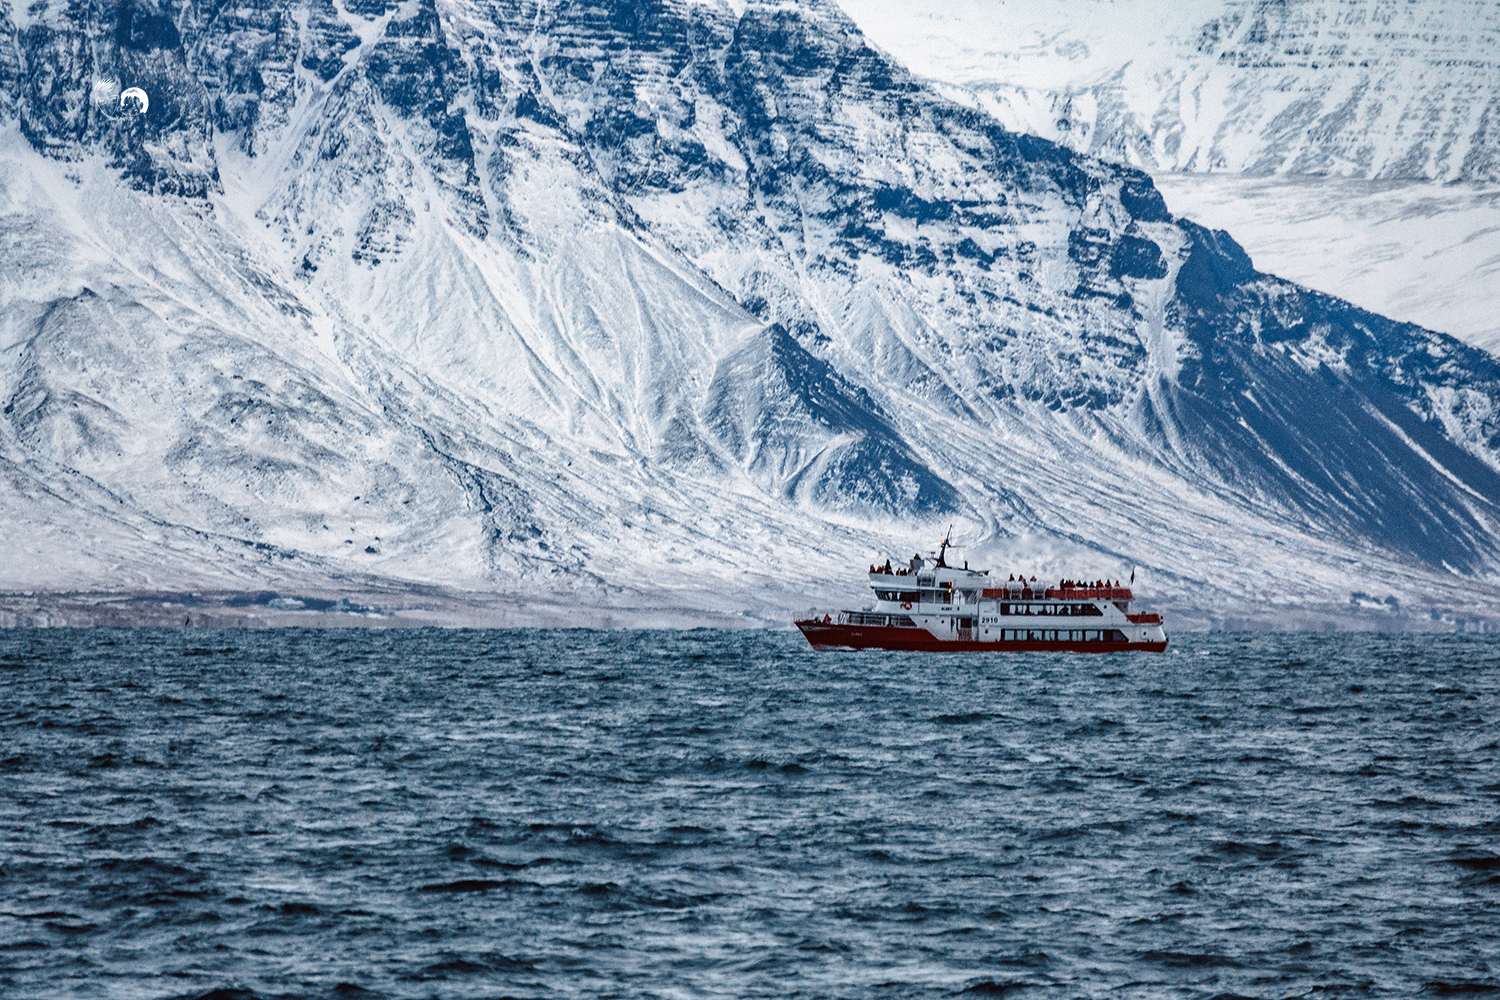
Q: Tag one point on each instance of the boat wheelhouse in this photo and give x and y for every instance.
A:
(931, 607)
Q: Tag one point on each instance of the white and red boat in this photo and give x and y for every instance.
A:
(934, 607)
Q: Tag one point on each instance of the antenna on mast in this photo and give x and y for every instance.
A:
(942, 549)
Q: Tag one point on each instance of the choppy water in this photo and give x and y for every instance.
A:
(587, 814)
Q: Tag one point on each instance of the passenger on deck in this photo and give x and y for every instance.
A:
(887, 567)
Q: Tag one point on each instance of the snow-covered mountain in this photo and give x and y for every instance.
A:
(1350, 145)
(661, 305)
(1377, 89)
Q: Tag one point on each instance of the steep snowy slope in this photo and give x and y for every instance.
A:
(983, 278)
(667, 304)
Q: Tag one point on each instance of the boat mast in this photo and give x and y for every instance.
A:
(943, 548)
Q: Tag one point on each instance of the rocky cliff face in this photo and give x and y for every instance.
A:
(508, 295)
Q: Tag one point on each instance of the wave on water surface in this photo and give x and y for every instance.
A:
(319, 814)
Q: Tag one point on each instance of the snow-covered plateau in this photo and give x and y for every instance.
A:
(509, 312)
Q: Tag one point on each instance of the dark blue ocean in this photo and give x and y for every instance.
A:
(290, 814)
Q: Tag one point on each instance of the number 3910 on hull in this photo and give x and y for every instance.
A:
(940, 608)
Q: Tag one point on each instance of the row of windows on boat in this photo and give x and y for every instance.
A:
(1071, 610)
(928, 596)
(992, 635)
(1006, 607)
(1058, 635)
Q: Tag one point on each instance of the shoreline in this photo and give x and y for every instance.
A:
(426, 607)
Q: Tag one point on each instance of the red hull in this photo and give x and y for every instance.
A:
(824, 635)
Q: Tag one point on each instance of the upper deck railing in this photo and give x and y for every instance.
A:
(1026, 590)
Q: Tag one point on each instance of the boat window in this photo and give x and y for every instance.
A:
(1091, 636)
(864, 618)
